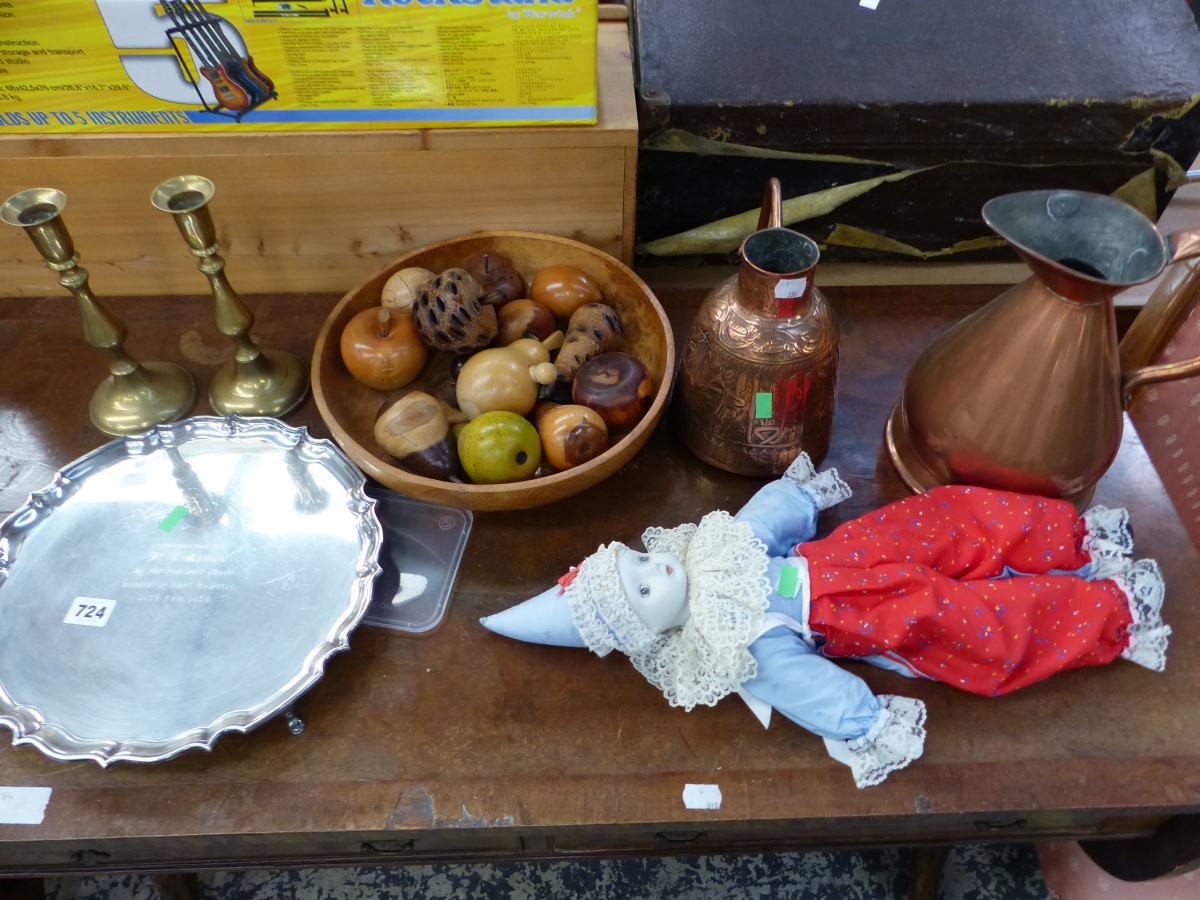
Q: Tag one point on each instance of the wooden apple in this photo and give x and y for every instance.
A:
(524, 318)
(617, 386)
(563, 289)
(382, 349)
(496, 274)
(571, 434)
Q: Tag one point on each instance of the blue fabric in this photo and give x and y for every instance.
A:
(544, 619)
(809, 689)
(1084, 571)
(782, 516)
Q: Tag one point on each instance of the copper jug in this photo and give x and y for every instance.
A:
(758, 382)
(1027, 393)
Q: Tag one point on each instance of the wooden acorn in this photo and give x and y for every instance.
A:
(449, 315)
(497, 277)
(415, 431)
(594, 329)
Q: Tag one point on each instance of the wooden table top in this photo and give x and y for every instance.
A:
(461, 744)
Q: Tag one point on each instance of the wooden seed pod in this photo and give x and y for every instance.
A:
(450, 317)
(594, 329)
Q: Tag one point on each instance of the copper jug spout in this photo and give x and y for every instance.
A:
(1027, 394)
(758, 381)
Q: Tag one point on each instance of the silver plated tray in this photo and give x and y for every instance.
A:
(178, 584)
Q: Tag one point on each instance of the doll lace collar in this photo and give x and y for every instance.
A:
(707, 657)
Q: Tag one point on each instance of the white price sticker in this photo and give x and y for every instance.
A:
(702, 796)
(790, 288)
(90, 611)
(23, 805)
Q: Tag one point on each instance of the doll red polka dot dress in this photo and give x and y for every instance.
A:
(986, 590)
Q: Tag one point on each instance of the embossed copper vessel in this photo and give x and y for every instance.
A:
(1027, 393)
(758, 382)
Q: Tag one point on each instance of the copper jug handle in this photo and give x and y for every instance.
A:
(772, 206)
(1160, 318)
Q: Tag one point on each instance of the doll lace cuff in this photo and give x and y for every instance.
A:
(895, 740)
(825, 488)
(1109, 541)
(1142, 585)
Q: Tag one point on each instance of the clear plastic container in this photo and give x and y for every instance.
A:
(422, 548)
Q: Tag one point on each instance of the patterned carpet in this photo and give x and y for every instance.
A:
(972, 872)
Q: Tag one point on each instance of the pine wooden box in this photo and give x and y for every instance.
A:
(322, 211)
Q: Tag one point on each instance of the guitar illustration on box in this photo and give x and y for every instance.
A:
(238, 84)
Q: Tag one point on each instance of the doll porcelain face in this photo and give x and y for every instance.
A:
(656, 585)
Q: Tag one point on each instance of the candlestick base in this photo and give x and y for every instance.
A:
(154, 393)
(271, 385)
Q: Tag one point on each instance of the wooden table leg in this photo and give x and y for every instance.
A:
(926, 877)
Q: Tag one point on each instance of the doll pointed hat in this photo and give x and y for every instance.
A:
(587, 608)
(698, 662)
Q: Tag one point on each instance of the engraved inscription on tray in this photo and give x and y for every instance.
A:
(211, 573)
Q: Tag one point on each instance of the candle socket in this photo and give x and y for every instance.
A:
(136, 396)
(256, 382)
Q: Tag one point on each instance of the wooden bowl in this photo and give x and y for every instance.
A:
(349, 408)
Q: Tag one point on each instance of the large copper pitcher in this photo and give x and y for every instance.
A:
(1027, 394)
(758, 382)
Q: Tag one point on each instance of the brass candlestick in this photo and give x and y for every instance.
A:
(136, 396)
(257, 382)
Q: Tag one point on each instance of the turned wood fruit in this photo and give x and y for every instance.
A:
(497, 277)
(594, 329)
(524, 318)
(504, 378)
(450, 317)
(617, 386)
(415, 431)
(498, 447)
(401, 290)
(381, 348)
(563, 289)
(571, 435)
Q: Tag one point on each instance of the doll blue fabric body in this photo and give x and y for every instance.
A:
(792, 677)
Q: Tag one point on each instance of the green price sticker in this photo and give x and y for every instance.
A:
(762, 405)
(789, 581)
(174, 517)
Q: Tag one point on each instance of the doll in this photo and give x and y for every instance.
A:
(986, 590)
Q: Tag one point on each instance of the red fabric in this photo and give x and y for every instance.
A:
(567, 579)
(915, 579)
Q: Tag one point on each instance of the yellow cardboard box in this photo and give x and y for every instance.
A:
(140, 66)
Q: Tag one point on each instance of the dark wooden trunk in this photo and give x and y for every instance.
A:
(986, 98)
